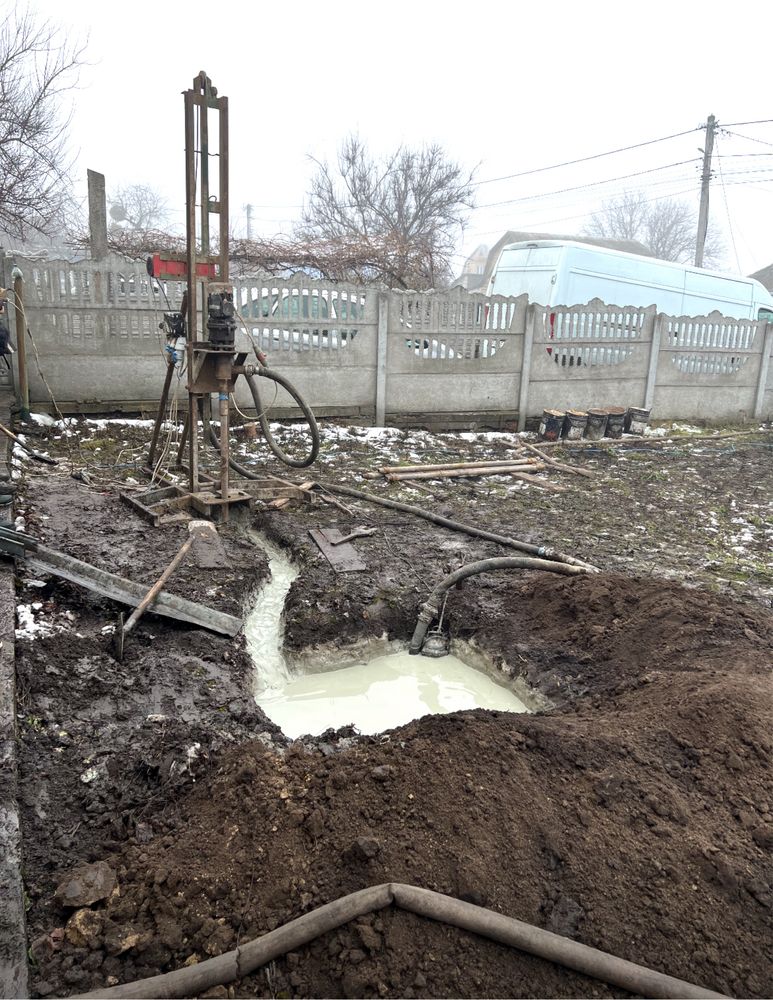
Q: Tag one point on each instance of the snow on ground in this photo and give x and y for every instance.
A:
(31, 622)
(44, 419)
(38, 619)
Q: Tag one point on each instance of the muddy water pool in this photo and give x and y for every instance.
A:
(366, 687)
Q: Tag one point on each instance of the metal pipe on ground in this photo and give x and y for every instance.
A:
(399, 470)
(472, 472)
(25, 447)
(540, 551)
(196, 979)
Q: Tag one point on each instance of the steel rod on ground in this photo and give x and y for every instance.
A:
(543, 484)
(473, 472)
(559, 465)
(387, 470)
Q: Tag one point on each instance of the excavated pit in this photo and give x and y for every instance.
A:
(372, 685)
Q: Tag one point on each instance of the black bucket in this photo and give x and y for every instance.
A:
(636, 420)
(551, 424)
(596, 428)
(575, 423)
(615, 421)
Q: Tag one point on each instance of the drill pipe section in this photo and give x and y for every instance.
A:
(541, 551)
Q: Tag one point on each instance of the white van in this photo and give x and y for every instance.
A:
(562, 273)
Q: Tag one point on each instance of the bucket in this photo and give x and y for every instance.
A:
(575, 423)
(596, 427)
(636, 420)
(551, 424)
(615, 421)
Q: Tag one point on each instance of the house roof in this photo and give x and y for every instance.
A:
(765, 277)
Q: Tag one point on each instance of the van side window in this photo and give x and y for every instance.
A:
(766, 314)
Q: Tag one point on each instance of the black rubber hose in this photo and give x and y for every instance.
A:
(294, 463)
(541, 551)
(431, 606)
(196, 979)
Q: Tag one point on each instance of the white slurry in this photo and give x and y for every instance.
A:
(373, 694)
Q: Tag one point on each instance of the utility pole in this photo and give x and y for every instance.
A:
(703, 214)
(248, 210)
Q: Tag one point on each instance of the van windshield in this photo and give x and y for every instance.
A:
(765, 313)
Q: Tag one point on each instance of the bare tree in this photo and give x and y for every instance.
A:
(38, 65)
(351, 258)
(140, 206)
(404, 213)
(667, 226)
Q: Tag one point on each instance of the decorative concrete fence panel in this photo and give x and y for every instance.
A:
(322, 335)
(709, 360)
(454, 353)
(588, 356)
(96, 330)
(447, 358)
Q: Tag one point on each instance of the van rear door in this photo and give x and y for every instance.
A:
(529, 269)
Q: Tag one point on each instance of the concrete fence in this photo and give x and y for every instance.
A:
(438, 358)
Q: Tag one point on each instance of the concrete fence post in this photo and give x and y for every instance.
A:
(528, 342)
(652, 369)
(381, 357)
(97, 215)
(762, 375)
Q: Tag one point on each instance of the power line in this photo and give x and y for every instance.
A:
(762, 121)
(750, 170)
(727, 208)
(581, 187)
(673, 187)
(748, 138)
(585, 159)
(584, 215)
(751, 183)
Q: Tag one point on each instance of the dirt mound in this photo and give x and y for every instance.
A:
(607, 633)
(636, 819)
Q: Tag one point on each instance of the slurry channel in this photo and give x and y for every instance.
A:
(372, 692)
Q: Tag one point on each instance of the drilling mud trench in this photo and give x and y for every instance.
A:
(635, 815)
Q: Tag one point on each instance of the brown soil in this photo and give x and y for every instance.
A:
(636, 816)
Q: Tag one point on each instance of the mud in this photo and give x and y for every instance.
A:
(636, 816)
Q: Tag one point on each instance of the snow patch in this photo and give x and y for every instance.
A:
(29, 626)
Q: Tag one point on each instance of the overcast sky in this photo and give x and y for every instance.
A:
(505, 87)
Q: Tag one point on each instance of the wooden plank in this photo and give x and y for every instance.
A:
(208, 550)
(207, 503)
(118, 588)
(157, 506)
(304, 493)
(343, 558)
